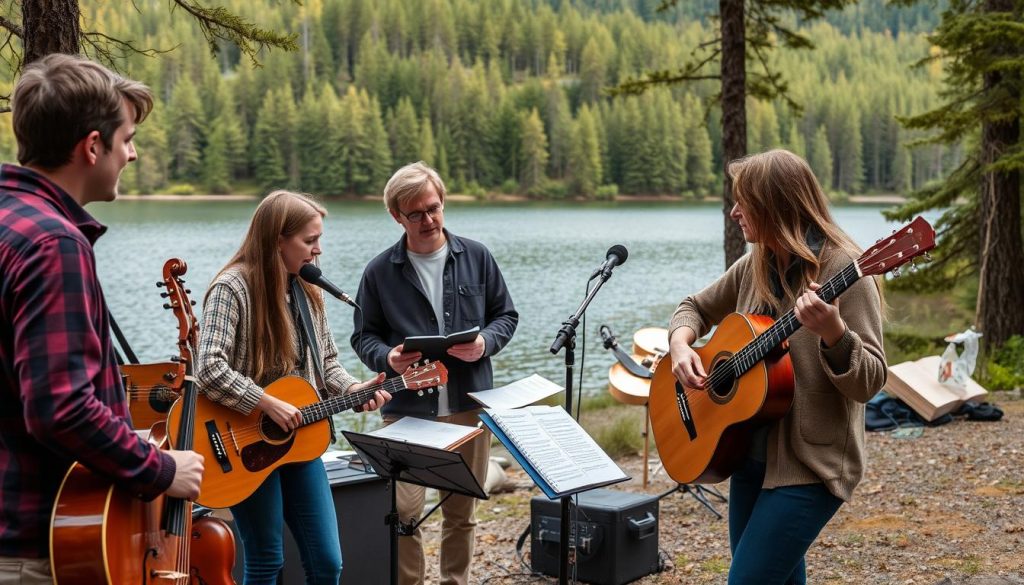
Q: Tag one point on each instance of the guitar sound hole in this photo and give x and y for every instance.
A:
(271, 431)
(723, 387)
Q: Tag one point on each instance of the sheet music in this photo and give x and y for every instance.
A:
(519, 393)
(426, 432)
(557, 447)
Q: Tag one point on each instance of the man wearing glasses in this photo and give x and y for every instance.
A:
(432, 282)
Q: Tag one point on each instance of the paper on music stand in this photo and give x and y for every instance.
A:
(431, 433)
(519, 393)
(553, 449)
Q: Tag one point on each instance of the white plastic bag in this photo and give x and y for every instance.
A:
(955, 369)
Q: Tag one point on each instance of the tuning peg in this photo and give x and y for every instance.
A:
(896, 272)
(176, 358)
(160, 283)
(927, 257)
(420, 393)
(913, 268)
(188, 291)
(193, 303)
(167, 305)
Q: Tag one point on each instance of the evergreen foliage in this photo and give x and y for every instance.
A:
(376, 84)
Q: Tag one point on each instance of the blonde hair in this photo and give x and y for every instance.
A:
(271, 347)
(59, 99)
(782, 200)
(408, 182)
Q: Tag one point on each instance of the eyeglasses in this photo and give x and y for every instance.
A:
(418, 216)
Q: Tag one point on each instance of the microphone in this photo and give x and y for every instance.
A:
(312, 274)
(615, 256)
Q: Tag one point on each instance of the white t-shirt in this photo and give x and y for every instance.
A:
(430, 270)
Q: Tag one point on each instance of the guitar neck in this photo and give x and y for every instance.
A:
(318, 411)
(787, 325)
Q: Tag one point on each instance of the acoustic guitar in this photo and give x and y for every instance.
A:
(703, 434)
(242, 450)
(151, 389)
(101, 533)
(649, 345)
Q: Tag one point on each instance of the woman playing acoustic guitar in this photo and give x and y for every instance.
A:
(251, 336)
(800, 468)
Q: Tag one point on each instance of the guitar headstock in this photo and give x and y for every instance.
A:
(426, 376)
(179, 303)
(907, 243)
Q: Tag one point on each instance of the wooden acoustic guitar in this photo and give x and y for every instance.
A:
(101, 533)
(242, 450)
(151, 389)
(649, 345)
(703, 434)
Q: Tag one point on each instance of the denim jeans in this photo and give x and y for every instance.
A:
(299, 494)
(770, 530)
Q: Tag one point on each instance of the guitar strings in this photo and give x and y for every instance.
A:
(253, 433)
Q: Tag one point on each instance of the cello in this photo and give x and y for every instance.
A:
(101, 533)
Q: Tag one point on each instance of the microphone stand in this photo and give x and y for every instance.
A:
(566, 338)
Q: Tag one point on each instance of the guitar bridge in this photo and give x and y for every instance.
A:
(683, 402)
(219, 452)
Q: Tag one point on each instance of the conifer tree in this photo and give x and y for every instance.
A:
(187, 127)
(405, 134)
(426, 147)
(268, 159)
(982, 48)
(821, 158)
(585, 155)
(533, 152)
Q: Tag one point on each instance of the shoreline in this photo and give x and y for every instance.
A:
(888, 199)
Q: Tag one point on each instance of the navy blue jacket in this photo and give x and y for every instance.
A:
(395, 307)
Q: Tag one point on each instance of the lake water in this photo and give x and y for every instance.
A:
(546, 252)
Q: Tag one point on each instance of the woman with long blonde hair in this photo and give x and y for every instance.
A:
(801, 468)
(251, 336)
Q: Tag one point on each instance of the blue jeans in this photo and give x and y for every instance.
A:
(299, 494)
(771, 530)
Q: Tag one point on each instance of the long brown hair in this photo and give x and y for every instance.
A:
(781, 200)
(271, 332)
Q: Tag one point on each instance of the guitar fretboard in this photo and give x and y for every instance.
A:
(318, 411)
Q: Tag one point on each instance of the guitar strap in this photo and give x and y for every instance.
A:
(307, 339)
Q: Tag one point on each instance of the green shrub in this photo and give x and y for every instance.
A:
(509, 187)
(606, 192)
(622, 437)
(181, 189)
(1006, 366)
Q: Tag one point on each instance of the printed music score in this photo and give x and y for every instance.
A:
(553, 448)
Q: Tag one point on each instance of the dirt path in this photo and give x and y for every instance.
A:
(946, 507)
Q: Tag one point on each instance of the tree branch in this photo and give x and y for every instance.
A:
(101, 48)
(218, 24)
(12, 27)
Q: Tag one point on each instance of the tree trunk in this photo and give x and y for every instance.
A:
(50, 26)
(734, 113)
(1001, 279)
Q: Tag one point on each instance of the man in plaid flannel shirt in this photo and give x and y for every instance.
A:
(61, 397)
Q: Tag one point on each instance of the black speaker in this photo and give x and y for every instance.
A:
(616, 536)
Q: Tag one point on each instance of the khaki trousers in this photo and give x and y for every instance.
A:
(458, 521)
(21, 571)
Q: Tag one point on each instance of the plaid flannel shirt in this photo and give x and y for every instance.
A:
(61, 397)
(224, 368)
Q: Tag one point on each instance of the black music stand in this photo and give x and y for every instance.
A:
(399, 460)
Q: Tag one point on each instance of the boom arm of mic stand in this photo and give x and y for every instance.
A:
(568, 330)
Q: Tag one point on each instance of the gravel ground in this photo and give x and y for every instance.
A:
(946, 507)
